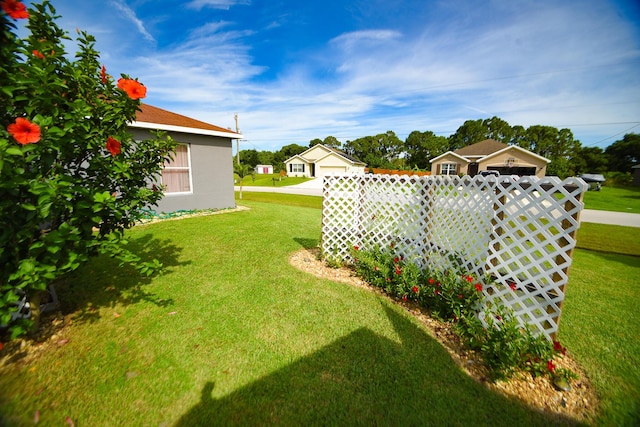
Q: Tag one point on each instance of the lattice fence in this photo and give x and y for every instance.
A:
(518, 230)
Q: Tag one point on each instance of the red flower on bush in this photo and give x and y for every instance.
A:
(415, 289)
(38, 54)
(551, 366)
(436, 292)
(356, 247)
(513, 286)
(404, 297)
(431, 281)
(398, 270)
(396, 260)
(24, 131)
(478, 287)
(134, 88)
(103, 74)
(114, 146)
(468, 279)
(558, 347)
(15, 9)
(460, 296)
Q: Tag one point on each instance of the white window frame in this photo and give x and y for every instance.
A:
(181, 168)
(297, 167)
(445, 169)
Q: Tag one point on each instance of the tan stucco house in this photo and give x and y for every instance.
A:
(490, 155)
(321, 160)
(201, 174)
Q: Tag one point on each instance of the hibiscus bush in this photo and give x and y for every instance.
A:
(72, 178)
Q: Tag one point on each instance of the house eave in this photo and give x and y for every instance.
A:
(183, 129)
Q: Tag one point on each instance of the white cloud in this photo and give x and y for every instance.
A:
(131, 15)
(216, 4)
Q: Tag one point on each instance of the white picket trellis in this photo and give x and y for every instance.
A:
(520, 231)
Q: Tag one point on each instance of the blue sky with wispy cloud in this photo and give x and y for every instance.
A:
(297, 70)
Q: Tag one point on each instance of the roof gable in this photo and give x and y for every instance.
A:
(150, 117)
(328, 151)
(481, 149)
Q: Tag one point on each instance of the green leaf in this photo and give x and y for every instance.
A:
(13, 151)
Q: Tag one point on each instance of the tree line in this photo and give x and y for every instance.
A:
(385, 150)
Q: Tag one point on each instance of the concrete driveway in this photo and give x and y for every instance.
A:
(314, 188)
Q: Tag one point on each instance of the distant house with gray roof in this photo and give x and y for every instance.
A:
(490, 155)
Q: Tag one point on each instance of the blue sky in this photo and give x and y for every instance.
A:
(295, 70)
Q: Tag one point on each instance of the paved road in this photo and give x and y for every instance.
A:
(314, 188)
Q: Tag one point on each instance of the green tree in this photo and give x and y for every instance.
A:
(249, 157)
(332, 141)
(423, 146)
(470, 132)
(590, 160)
(242, 170)
(72, 177)
(315, 142)
(556, 145)
(624, 154)
(379, 151)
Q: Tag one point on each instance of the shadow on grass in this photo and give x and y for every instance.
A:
(307, 243)
(103, 282)
(367, 379)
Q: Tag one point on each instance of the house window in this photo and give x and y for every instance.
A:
(297, 167)
(449, 168)
(176, 175)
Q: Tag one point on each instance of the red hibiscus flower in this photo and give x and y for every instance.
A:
(395, 260)
(551, 366)
(478, 287)
(15, 9)
(38, 54)
(355, 248)
(512, 285)
(24, 131)
(113, 145)
(134, 88)
(468, 279)
(103, 74)
(415, 289)
(431, 281)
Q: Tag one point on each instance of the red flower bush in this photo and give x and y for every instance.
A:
(38, 54)
(114, 146)
(133, 88)
(15, 9)
(24, 131)
(478, 287)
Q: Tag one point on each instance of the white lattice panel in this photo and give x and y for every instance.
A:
(519, 230)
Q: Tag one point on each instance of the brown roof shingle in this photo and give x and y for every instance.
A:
(151, 114)
(482, 148)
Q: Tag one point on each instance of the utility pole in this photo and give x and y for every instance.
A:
(235, 116)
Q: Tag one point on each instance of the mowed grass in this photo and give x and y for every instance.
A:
(270, 180)
(618, 199)
(232, 334)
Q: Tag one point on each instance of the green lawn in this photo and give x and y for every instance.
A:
(270, 180)
(625, 199)
(232, 334)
